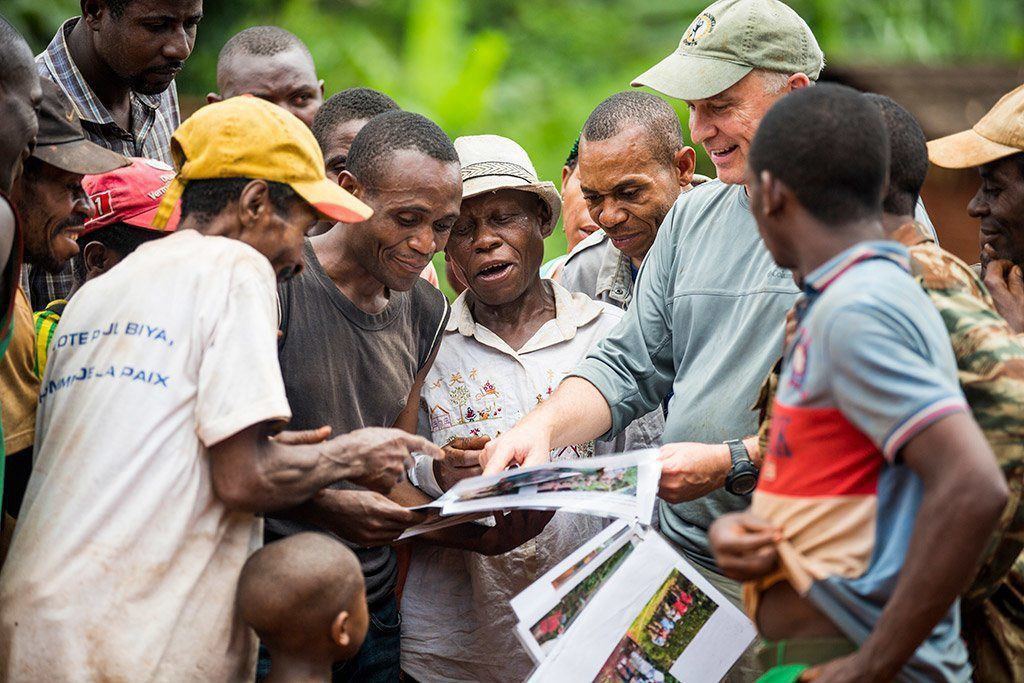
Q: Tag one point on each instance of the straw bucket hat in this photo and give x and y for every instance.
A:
(491, 162)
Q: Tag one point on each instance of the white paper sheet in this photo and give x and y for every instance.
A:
(550, 605)
(655, 619)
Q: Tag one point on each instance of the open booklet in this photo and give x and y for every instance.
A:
(623, 486)
(627, 607)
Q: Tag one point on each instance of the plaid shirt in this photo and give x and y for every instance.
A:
(153, 117)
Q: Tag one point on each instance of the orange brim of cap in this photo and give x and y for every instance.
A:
(331, 201)
(967, 149)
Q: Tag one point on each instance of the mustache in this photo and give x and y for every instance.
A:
(75, 220)
(168, 67)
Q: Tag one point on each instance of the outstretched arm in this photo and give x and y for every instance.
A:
(253, 472)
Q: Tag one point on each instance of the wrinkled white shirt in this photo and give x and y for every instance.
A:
(124, 563)
(456, 621)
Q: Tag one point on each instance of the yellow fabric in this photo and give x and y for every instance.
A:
(19, 386)
(246, 137)
(822, 537)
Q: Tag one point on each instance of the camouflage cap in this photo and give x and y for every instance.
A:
(730, 39)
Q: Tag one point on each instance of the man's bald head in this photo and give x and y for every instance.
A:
(291, 591)
(272, 64)
(257, 41)
(637, 109)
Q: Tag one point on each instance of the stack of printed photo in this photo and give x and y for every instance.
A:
(626, 607)
(621, 486)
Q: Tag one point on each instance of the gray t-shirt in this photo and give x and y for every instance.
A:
(706, 322)
(349, 369)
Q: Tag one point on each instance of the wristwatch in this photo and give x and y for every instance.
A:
(743, 476)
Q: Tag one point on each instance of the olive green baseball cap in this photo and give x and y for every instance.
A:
(730, 39)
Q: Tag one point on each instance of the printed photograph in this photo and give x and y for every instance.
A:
(661, 632)
(579, 565)
(591, 480)
(558, 619)
(511, 484)
(599, 480)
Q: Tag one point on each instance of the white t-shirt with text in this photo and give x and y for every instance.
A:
(124, 562)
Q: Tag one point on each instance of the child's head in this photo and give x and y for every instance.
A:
(304, 595)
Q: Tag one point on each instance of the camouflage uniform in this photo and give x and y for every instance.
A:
(990, 358)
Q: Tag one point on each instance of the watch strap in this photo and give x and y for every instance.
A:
(738, 452)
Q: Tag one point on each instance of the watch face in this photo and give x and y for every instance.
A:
(743, 483)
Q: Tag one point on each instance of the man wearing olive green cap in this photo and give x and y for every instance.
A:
(155, 417)
(708, 313)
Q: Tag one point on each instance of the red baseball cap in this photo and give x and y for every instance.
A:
(130, 195)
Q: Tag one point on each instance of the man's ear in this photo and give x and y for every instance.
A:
(774, 194)
(350, 183)
(566, 174)
(94, 255)
(797, 81)
(685, 162)
(213, 98)
(254, 203)
(339, 632)
(92, 12)
(455, 269)
(322, 93)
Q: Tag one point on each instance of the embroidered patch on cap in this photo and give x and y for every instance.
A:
(701, 26)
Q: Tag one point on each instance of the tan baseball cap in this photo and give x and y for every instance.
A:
(730, 39)
(998, 134)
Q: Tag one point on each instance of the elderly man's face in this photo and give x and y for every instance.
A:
(725, 124)
(54, 208)
(629, 187)
(287, 79)
(576, 220)
(415, 202)
(497, 245)
(147, 45)
(999, 205)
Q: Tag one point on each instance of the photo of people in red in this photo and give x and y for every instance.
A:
(661, 632)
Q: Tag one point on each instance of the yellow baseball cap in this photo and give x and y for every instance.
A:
(998, 134)
(246, 137)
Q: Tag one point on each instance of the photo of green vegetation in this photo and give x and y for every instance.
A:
(662, 630)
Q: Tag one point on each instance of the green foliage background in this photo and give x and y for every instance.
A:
(533, 69)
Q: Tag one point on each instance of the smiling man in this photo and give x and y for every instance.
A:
(994, 146)
(632, 166)
(117, 63)
(360, 330)
(707, 319)
(53, 209)
(274, 65)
